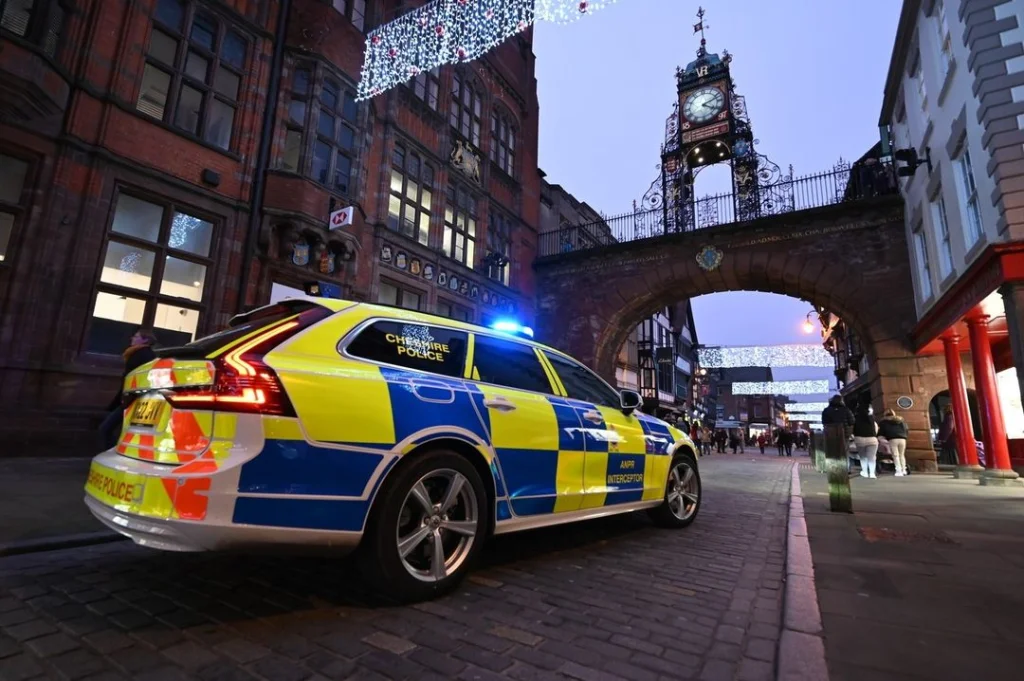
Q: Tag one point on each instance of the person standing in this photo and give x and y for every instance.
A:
(865, 437)
(761, 441)
(140, 351)
(894, 429)
(786, 441)
(947, 437)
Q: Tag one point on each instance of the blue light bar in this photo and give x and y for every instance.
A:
(512, 327)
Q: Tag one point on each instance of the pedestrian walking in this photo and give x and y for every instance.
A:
(705, 440)
(139, 352)
(761, 441)
(734, 441)
(865, 437)
(894, 429)
(947, 438)
(721, 439)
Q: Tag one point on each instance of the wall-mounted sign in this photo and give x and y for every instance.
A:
(904, 402)
(341, 218)
(705, 133)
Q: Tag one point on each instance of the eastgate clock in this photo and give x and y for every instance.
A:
(704, 104)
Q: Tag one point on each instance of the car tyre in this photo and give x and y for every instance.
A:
(682, 494)
(417, 519)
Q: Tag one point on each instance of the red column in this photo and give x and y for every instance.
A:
(997, 451)
(967, 453)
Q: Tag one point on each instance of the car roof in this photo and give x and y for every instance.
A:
(338, 304)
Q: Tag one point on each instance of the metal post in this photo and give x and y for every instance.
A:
(837, 469)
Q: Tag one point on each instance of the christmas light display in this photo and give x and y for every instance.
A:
(780, 388)
(806, 407)
(809, 355)
(451, 32)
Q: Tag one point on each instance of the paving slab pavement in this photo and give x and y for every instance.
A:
(605, 600)
(924, 581)
(41, 504)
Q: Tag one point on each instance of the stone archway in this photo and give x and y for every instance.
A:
(851, 259)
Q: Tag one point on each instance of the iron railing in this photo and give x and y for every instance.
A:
(841, 185)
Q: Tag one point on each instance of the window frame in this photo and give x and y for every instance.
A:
(504, 141)
(500, 241)
(452, 232)
(477, 335)
(452, 307)
(299, 127)
(940, 226)
(924, 271)
(161, 250)
(346, 341)
(945, 38)
(401, 288)
(465, 118)
(348, 10)
(16, 210)
(425, 87)
(550, 355)
(970, 205)
(179, 78)
(420, 232)
(40, 30)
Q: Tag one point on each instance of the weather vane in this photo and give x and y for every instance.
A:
(699, 28)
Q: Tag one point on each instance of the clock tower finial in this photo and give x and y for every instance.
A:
(699, 28)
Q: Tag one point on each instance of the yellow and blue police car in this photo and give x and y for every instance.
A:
(335, 424)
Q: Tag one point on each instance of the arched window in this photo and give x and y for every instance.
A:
(465, 109)
(503, 141)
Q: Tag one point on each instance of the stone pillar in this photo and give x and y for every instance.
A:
(911, 376)
(967, 455)
(997, 451)
(1013, 302)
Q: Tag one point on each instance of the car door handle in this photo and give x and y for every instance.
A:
(499, 403)
(593, 416)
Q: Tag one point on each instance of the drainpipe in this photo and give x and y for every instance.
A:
(263, 155)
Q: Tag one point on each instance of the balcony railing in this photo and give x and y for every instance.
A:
(843, 184)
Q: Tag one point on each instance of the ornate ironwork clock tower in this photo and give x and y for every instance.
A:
(709, 125)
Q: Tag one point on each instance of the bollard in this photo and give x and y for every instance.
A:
(837, 469)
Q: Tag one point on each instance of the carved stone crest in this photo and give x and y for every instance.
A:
(709, 258)
(465, 160)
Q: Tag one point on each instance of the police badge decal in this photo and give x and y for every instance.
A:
(709, 258)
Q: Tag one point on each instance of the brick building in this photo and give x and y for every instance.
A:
(158, 158)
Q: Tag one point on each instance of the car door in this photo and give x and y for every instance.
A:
(621, 464)
(538, 444)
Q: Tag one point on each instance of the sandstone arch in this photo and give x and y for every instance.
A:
(850, 258)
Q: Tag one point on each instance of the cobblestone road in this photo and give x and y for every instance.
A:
(610, 599)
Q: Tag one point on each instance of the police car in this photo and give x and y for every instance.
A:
(412, 438)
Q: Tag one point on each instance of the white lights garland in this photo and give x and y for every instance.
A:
(774, 356)
(780, 388)
(451, 32)
(806, 407)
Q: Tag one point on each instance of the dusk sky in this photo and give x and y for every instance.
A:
(812, 73)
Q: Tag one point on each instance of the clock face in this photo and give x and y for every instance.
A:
(704, 104)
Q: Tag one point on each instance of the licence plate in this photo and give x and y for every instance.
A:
(115, 488)
(145, 412)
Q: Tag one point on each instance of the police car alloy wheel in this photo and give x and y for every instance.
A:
(682, 493)
(428, 523)
(438, 525)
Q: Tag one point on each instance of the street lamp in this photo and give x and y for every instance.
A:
(808, 324)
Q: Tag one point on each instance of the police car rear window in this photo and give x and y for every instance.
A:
(421, 347)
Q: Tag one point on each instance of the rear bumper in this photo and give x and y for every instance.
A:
(177, 535)
(155, 506)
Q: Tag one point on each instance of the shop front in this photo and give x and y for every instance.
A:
(978, 424)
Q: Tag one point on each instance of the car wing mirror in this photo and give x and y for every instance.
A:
(630, 401)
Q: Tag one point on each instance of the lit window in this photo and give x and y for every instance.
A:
(193, 72)
(465, 110)
(941, 226)
(503, 143)
(924, 269)
(460, 225)
(412, 190)
(13, 175)
(970, 209)
(154, 273)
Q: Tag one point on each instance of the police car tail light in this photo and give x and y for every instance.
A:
(243, 382)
